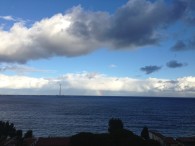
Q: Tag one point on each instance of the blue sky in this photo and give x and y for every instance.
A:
(135, 47)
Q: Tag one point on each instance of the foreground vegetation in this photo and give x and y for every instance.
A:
(8, 131)
(116, 136)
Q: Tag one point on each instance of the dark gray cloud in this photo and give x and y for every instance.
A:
(179, 46)
(190, 11)
(192, 43)
(191, 4)
(133, 25)
(150, 69)
(175, 64)
(184, 45)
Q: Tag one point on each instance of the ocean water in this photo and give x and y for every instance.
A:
(68, 115)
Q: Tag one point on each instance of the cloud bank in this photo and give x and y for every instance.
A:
(78, 32)
(97, 84)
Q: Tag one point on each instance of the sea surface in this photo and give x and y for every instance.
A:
(69, 115)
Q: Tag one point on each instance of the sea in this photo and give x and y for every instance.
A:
(50, 116)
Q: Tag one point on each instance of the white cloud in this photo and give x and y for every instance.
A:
(8, 18)
(186, 84)
(21, 82)
(47, 38)
(78, 32)
(13, 19)
(93, 84)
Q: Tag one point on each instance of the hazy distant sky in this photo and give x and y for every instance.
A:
(92, 47)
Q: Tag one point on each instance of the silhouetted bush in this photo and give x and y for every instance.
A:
(102, 140)
(145, 133)
(82, 139)
(90, 139)
(115, 125)
(7, 129)
(28, 134)
(151, 142)
(117, 136)
(19, 133)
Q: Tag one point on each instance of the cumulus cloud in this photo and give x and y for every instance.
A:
(134, 24)
(175, 64)
(78, 32)
(150, 69)
(98, 84)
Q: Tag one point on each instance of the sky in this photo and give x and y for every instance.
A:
(91, 47)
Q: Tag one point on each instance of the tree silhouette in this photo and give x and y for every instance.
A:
(115, 125)
(7, 129)
(28, 134)
(145, 133)
(19, 138)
